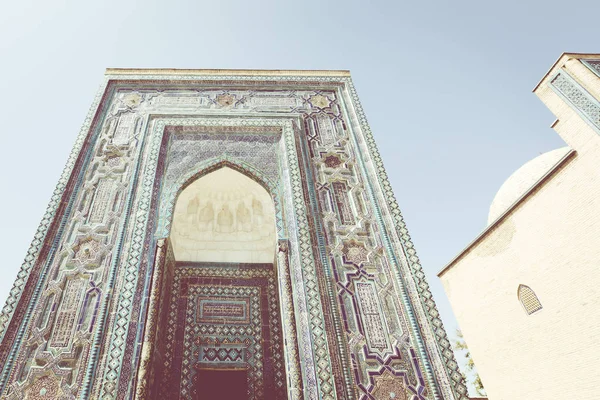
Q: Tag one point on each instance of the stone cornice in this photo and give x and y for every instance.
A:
(229, 72)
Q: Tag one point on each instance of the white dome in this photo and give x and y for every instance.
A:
(522, 179)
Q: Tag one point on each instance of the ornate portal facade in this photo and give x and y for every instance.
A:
(224, 234)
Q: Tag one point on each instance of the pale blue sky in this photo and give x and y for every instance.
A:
(446, 87)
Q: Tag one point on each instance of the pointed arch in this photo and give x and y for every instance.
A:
(224, 216)
(170, 194)
(237, 165)
(528, 299)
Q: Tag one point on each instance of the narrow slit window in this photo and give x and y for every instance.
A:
(528, 299)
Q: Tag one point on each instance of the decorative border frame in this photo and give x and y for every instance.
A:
(583, 102)
(33, 271)
(40, 235)
(593, 65)
(313, 343)
(434, 344)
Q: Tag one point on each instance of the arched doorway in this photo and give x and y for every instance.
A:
(216, 308)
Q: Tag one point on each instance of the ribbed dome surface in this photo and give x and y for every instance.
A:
(522, 179)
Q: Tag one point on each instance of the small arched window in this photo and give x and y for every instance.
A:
(528, 299)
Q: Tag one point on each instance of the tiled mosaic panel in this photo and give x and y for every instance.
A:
(360, 270)
(219, 316)
(344, 223)
(584, 102)
(58, 337)
(593, 65)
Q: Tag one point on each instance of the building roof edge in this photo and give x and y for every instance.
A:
(565, 54)
(229, 72)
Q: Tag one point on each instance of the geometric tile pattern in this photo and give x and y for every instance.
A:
(208, 342)
(363, 319)
(582, 101)
(593, 65)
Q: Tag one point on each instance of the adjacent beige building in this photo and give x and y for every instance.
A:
(526, 291)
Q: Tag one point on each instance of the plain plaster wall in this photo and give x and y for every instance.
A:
(549, 242)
